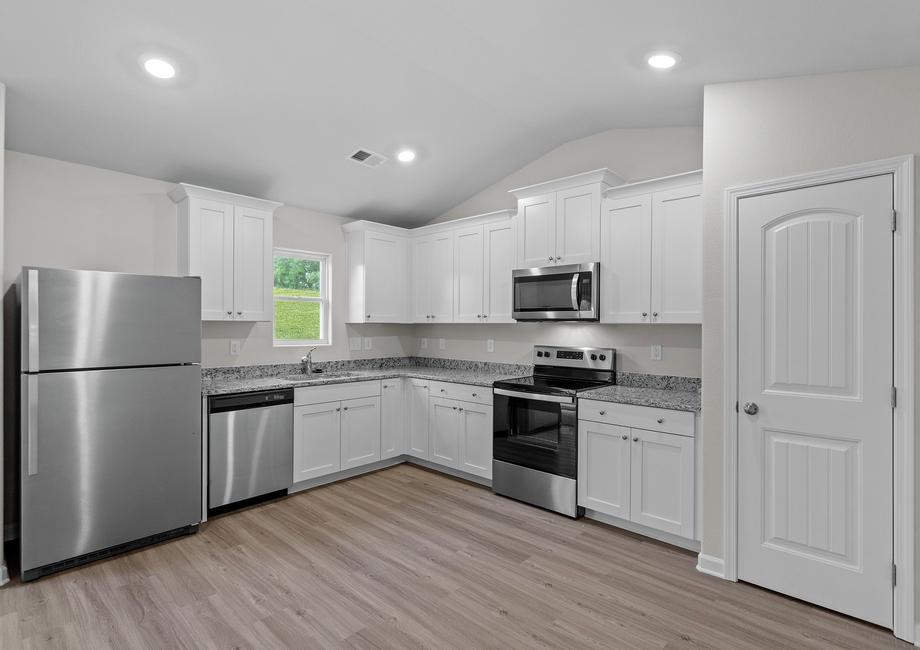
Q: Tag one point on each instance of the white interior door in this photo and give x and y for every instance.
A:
(253, 279)
(626, 264)
(815, 355)
(468, 270)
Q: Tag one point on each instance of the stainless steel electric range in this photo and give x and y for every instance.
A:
(535, 426)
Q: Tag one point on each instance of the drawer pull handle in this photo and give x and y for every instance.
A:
(660, 420)
(602, 413)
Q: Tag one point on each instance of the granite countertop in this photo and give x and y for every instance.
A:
(474, 377)
(662, 398)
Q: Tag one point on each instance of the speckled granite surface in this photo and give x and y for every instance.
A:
(660, 391)
(663, 398)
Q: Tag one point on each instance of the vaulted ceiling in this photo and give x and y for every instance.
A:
(272, 97)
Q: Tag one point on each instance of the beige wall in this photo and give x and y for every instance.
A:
(634, 154)
(768, 129)
(66, 215)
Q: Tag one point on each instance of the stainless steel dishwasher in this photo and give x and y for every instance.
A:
(250, 445)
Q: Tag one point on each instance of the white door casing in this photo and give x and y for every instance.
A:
(815, 323)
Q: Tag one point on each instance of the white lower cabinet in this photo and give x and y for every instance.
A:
(644, 476)
(317, 437)
(417, 415)
(444, 432)
(475, 432)
(360, 432)
(392, 418)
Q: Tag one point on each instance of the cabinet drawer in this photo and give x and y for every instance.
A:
(636, 417)
(336, 392)
(462, 392)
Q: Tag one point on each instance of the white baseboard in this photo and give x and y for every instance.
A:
(917, 635)
(711, 565)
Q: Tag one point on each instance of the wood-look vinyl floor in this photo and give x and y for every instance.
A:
(407, 558)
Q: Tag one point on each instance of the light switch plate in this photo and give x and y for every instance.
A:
(656, 352)
(490, 345)
(235, 347)
(354, 343)
(442, 344)
(368, 343)
(423, 343)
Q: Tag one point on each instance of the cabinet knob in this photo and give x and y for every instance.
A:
(644, 314)
(460, 409)
(625, 437)
(660, 420)
(443, 390)
(229, 313)
(558, 259)
(602, 413)
(239, 313)
(338, 409)
(654, 314)
(432, 316)
(550, 258)
(368, 317)
(454, 407)
(636, 439)
(344, 408)
(474, 395)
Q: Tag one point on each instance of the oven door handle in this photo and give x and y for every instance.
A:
(536, 397)
(575, 303)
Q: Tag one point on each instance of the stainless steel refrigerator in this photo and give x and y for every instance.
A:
(110, 413)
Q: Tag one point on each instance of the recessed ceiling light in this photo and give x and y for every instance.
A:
(663, 60)
(405, 156)
(160, 69)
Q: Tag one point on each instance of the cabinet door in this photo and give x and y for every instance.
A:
(317, 447)
(253, 278)
(468, 272)
(498, 256)
(210, 256)
(444, 433)
(440, 271)
(626, 260)
(392, 418)
(476, 439)
(578, 225)
(677, 256)
(603, 468)
(360, 431)
(421, 280)
(536, 217)
(417, 413)
(385, 278)
(662, 481)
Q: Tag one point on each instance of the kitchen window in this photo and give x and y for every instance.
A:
(301, 293)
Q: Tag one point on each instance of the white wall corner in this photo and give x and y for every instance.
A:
(917, 635)
(711, 565)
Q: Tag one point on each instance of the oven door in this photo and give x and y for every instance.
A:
(536, 431)
(556, 292)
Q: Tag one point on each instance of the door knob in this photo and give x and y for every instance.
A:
(751, 408)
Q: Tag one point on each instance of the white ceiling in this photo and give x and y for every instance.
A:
(272, 97)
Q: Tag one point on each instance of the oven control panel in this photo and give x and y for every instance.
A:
(588, 358)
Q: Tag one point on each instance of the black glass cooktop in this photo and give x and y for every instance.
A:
(550, 385)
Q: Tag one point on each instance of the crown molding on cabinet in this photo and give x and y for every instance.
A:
(464, 222)
(603, 176)
(184, 191)
(364, 225)
(655, 185)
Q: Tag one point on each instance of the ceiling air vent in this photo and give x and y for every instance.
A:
(368, 158)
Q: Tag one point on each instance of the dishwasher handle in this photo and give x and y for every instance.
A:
(238, 402)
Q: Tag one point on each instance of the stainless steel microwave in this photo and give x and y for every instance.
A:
(568, 292)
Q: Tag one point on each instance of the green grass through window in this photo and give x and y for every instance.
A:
(294, 320)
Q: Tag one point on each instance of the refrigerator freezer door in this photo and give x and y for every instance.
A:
(115, 456)
(94, 319)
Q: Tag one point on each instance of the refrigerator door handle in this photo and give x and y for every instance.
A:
(31, 398)
(32, 323)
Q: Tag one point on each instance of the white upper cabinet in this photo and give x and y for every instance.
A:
(468, 274)
(432, 278)
(226, 240)
(652, 251)
(377, 267)
(558, 222)
(498, 254)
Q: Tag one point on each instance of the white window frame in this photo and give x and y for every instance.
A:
(325, 274)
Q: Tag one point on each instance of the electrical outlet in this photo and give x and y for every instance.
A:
(235, 347)
(442, 344)
(423, 343)
(490, 345)
(368, 343)
(354, 343)
(656, 352)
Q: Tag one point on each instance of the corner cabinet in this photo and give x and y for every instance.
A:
(377, 266)
(558, 222)
(652, 251)
(226, 240)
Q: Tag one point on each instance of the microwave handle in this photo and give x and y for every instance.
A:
(575, 302)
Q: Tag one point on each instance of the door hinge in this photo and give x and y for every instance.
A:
(894, 575)
(894, 220)
(894, 397)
